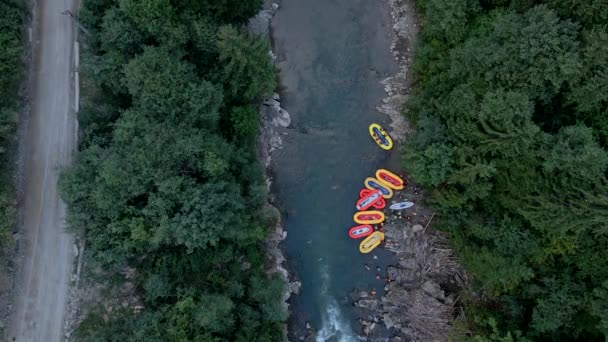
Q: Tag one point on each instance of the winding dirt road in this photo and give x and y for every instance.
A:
(44, 271)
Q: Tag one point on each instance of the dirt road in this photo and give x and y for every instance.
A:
(44, 271)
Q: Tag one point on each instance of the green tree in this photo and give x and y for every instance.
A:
(247, 70)
(166, 180)
(511, 136)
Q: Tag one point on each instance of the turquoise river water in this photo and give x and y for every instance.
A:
(332, 56)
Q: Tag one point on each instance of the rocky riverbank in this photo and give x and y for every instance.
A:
(423, 282)
(422, 285)
(397, 87)
(274, 121)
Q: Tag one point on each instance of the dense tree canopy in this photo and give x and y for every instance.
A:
(11, 53)
(511, 111)
(166, 179)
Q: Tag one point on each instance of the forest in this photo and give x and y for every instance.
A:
(166, 180)
(11, 71)
(511, 114)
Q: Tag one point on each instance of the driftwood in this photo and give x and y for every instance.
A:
(415, 303)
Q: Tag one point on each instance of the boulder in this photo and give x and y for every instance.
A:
(433, 289)
(389, 323)
(369, 329)
(282, 118)
(417, 227)
(260, 24)
(295, 286)
(368, 304)
(277, 116)
(403, 276)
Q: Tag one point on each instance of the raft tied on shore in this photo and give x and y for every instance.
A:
(379, 204)
(368, 200)
(380, 136)
(371, 242)
(360, 231)
(374, 184)
(390, 179)
(369, 217)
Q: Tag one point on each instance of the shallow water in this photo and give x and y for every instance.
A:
(333, 54)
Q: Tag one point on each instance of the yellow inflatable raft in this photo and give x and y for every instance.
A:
(371, 242)
(369, 217)
(374, 184)
(380, 136)
(390, 179)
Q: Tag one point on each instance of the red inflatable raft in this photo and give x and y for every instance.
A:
(360, 231)
(368, 200)
(380, 204)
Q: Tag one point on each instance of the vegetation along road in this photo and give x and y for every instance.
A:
(43, 279)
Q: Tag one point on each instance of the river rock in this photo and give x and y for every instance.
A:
(282, 118)
(260, 24)
(402, 276)
(295, 286)
(417, 227)
(272, 102)
(275, 6)
(275, 114)
(433, 289)
(388, 322)
(369, 329)
(368, 303)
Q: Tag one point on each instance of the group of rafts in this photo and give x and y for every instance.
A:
(377, 191)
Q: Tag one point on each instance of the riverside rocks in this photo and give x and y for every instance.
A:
(417, 305)
(273, 119)
(397, 87)
(260, 23)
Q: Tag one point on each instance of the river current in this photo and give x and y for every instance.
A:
(332, 56)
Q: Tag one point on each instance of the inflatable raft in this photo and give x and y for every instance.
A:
(374, 184)
(360, 231)
(371, 242)
(380, 204)
(369, 217)
(368, 200)
(390, 179)
(401, 205)
(380, 136)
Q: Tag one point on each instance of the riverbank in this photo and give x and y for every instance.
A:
(423, 274)
(422, 285)
(273, 123)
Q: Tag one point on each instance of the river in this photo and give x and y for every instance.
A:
(332, 56)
